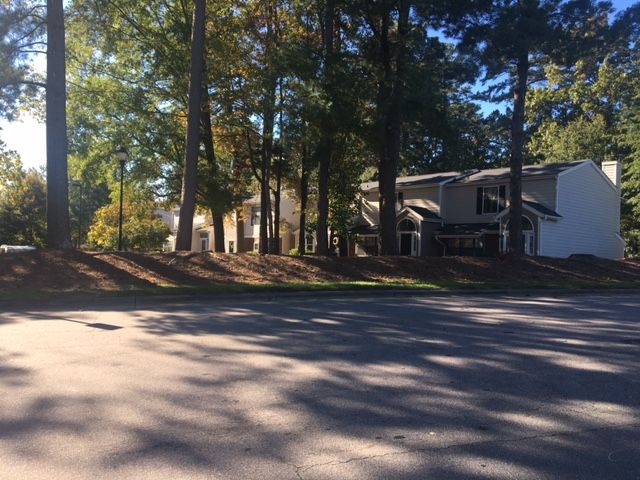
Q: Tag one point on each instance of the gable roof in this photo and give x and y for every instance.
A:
(528, 171)
(416, 180)
(364, 230)
(538, 207)
(486, 175)
(422, 212)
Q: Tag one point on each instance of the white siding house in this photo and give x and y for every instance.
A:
(589, 203)
(568, 208)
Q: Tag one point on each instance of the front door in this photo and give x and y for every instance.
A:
(406, 243)
(528, 243)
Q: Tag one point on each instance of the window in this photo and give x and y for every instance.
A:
(308, 243)
(490, 199)
(204, 241)
(399, 200)
(232, 246)
(464, 246)
(406, 225)
(255, 215)
(369, 244)
(525, 222)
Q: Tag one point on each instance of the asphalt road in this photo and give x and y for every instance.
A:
(323, 387)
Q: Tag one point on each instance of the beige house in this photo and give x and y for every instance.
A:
(241, 227)
(568, 208)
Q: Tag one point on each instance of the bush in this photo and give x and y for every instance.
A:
(142, 229)
(23, 206)
(294, 252)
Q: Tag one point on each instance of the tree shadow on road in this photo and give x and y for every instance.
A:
(388, 387)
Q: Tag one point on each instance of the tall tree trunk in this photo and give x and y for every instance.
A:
(325, 146)
(240, 247)
(516, 160)
(277, 194)
(304, 196)
(218, 232)
(210, 183)
(265, 197)
(58, 225)
(189, 177)
(391, 98)
(268, 120)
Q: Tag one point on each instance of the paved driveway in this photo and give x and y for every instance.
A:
(322, 387)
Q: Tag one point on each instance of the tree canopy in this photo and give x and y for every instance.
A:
(317, 96)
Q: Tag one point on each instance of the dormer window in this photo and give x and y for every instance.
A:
(490, 199)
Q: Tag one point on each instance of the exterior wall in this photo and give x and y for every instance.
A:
(199, 221)
(429, 247)
(542, 191)
(460, 199)
(590, 207)
(289, 219)
(460, 205)
(426, 197)
(370, 211)
(234, 226)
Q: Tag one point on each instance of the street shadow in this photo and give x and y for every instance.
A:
(380, 387)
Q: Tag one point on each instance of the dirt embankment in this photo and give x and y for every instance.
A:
(81, 271)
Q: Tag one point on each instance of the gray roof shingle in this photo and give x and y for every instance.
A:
(500, 174)
(487, 175)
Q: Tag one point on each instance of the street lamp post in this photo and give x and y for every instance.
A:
(122, 155)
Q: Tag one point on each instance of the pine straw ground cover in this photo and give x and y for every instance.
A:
(51, 272)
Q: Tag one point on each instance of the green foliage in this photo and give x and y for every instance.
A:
(294, 252)
(590, 110)
(142, 229)
(23, 202)
(10, 166)
(580, 139)
(21, 32)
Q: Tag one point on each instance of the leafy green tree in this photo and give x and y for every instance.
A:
(589, 110)
(22, 204)
(142, 229)
(10, 166)
(21, 33)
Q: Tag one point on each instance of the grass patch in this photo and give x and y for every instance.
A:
(219, 289)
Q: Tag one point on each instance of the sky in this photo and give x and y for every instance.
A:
(27, 135)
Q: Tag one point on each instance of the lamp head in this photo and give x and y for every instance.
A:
(122, 154)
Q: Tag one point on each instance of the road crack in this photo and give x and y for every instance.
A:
(305, 468)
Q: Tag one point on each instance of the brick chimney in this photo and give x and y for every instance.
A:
(613, 170)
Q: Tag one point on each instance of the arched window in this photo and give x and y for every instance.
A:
(527, 226)
(406, 225)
